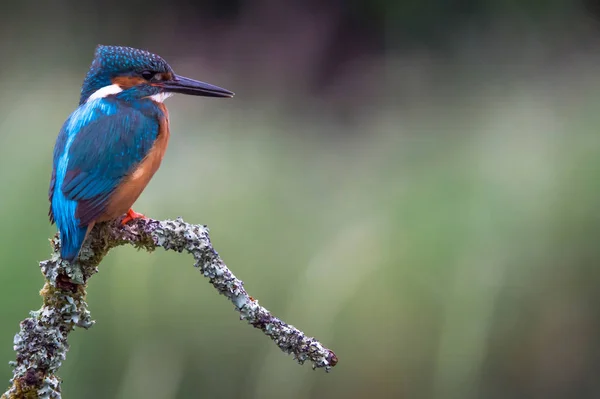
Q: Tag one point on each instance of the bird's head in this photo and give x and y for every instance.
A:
(115, 69)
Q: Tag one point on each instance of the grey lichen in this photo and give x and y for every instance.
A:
(194, 239)
(41, 344)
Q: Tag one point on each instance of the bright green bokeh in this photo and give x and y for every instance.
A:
(443, 240)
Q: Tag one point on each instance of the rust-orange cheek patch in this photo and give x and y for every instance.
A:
(161, 78)
(166, 76)
(125, 82)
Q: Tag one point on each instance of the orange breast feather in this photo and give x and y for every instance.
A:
(133, 185)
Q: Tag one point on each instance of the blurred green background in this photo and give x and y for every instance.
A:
(414, 183)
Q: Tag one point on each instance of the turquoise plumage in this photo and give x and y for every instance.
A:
(96, 149)
(111, 145)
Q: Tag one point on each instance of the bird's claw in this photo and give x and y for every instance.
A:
(131, 215)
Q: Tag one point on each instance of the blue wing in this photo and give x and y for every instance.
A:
(60, 144)
(76, 121)
(95, 150)
(103, 153)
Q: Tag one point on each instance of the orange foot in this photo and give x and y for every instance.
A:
(131, 214)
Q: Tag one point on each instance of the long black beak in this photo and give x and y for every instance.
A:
(183, 85)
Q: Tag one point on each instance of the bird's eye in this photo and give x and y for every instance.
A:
(147, 75)
(150, 75)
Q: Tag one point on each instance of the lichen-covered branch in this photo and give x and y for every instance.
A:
(41, 345)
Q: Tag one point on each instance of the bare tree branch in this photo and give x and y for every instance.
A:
(41, 345)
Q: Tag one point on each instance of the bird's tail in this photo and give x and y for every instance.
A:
(71, 233)
(71, 242)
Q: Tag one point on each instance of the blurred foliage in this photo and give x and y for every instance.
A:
(429, 214)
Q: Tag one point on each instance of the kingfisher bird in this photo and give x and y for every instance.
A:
(110, 147)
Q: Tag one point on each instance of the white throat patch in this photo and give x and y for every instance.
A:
(115, 89)
(105, 91)
(160, 97)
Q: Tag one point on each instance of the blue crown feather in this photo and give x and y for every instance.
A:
(112, 61)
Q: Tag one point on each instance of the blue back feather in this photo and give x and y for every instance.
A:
(100, 144)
